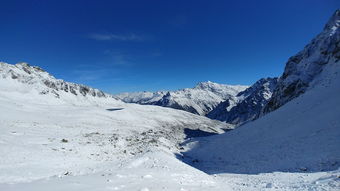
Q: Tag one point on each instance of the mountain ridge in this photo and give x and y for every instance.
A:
(45, 83)
(307, 64)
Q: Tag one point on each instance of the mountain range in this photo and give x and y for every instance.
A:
(233, 104)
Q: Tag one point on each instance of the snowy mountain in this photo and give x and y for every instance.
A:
(306, 65)
(147, 98)
(39, 80)
(249, 105)
(302, 132)
(198, 100)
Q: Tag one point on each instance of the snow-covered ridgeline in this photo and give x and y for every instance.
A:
(41, 81)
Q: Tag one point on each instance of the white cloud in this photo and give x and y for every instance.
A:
(116, 37)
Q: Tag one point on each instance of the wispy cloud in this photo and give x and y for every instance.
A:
(117, 37)
(118, 58)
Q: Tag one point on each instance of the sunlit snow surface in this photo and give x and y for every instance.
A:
(91, 143)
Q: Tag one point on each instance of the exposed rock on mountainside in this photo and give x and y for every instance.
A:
(302, 68)
(251, 103)
(44, 82)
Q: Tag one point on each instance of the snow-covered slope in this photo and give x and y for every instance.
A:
(300, 136)
(198, 100)
(302, 68)
(249, 105)
(97, 141)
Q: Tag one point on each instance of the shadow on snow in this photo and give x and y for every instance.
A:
(114, 109)
(247, 166)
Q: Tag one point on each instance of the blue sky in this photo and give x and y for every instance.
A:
(153, 45)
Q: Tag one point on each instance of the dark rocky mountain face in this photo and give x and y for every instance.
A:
(302, 68)
(250, 104)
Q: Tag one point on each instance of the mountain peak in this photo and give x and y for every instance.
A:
(206, 84)
(25, 64)
(334, 22)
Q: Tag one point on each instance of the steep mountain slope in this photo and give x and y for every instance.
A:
(302, 68)
(300, 136)
(198, 100)
(250, 103)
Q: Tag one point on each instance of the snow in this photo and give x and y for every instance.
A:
(53, 138)
(98, 143)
